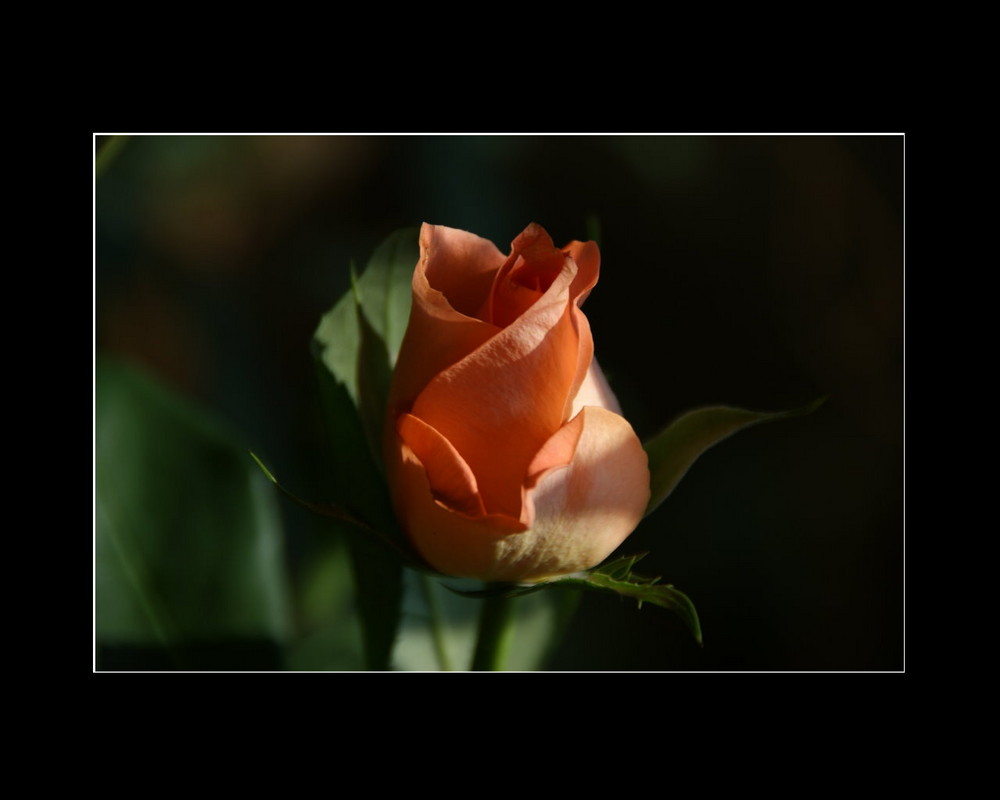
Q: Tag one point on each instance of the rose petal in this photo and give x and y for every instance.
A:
(451, 542)
(535, 260)
(501, 403)
(543, 356)
(439, 332)
(451, 481)
(533, 265)
(460, 265)
(587, 256)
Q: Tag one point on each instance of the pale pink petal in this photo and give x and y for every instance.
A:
(585, 510)
(558, 451)
(595, 391)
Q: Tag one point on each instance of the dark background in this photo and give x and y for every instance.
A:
(759, 271)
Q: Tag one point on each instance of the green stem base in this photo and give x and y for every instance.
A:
(495, 631)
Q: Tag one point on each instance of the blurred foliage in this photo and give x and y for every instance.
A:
(189, 561)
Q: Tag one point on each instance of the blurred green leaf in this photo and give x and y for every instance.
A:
(189, 565)
(329, 629)
(107, 151)
(674, 449)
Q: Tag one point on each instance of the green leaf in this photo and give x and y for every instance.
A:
(336, 342)
(358, 340)
(189, 564)
(355, 346)
(383, 291)
(672, 451)
(385, 287)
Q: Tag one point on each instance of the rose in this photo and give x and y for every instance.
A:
(506, 454)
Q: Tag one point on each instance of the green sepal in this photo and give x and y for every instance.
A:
(358, 340)
(615, 576)
(348, 517)
(384, 289)
(618, 577)
(674, 449)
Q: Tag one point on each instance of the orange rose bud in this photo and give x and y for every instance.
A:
(506, 453)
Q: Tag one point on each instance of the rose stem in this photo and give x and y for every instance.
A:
(495, 630)
(437, 635)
